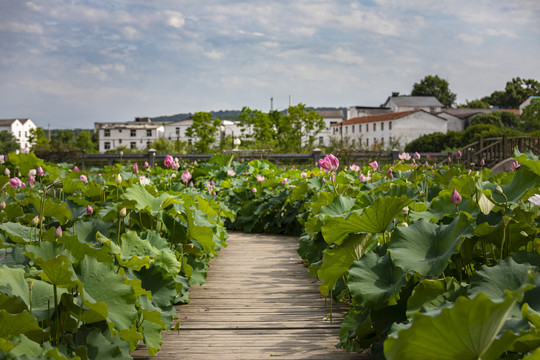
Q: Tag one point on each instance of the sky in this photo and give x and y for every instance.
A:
(70, 63)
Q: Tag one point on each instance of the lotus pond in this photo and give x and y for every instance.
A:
(428, 259)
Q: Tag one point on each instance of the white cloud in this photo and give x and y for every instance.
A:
(472, 39)
(214, 55)
(304, 31)
(501, 32)
(18, 27)
(175, 19)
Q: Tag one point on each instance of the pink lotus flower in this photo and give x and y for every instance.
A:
(7, 172)
(89, 210)
(146, 165)
(374, 165)
(254, 190)
(169, 161)
(483, 162)
(260, 178)
(455, 198)
(535, 199)
(458, 154)
(135, 168)
(364, 178)
(416, 156)
(191, 184)
(284, 181)
(58, 232)
(76, 168)
(303, 175)
(329, 163)
(515, 165)
(354, 167)
(186, 176)
(84, 179)
(390, 173)
(2, 205)
(404, 156)
(31, 180)
(32, 172)
(40, 171)
(231, 172)
(16, 182)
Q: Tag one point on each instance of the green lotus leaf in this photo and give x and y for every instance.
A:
(200, 229)
(356, 331)
(6, 346)
(25, 162)
(144, 200)
(167, 264)
(79, 250)
(535, 355)
(100, 346)
(494, 281)
(441, 206)
(71, 185)
(340, 204)
(152, 327)
(43, 299)
(425, 247)
(14, 290)
(324, 198)
(432, 294)
(529, 160)
(374, 281)
(163, 289)
(103, 284)
(468, 330)
(374, 219)
(18, 232)
(13, 211)
(45, 250)
(51, 208)
(93, 191)
(22, 323)
(338, 260)
(57, 271)
(523, 180)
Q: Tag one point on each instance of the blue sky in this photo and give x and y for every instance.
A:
(71, 63)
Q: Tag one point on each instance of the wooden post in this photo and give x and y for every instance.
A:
(505, 148)
(317, 154)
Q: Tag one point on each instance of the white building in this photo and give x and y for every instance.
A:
(358, 111)
(527, 103)
(176, 131)
(331, 117)
(398, 103)
(136, 134)
(20, 128)
(388, 130)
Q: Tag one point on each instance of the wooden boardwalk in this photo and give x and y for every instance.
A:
(258, 303)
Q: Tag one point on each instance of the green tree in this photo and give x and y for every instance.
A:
(38, 139)
(300, 127)
(530, 118)
(260, 125)
(8, 142)
(437, 87)
(203, 129)
(490, 119)
(515, 93)
(474, 104)
(84, 142)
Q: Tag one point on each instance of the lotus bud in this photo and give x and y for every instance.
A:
(499, 190)
(458, 154)
(390, 173)
(58, 232)
(254, 190)
(40, 171)
(123, 212)
(35, 220)
(455, 198)
(7, 172)
(75, 168)
(89, 210)
(121, 153)
(483, 162)
(2, 205)
(118, 179)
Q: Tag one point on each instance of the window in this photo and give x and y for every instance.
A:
(119, 141)
(390, 139)
(178, 131)
(107, 133)
(382, 126)
(346, 129)
(367, 142)
(147, 143)
(353, 130)
(360, 128)
(374, 126)
(19, 134)
(374, 141)
(390, 125)
(133, 145)
(133, 132)
(26, 134)
(321, 140)
(107, 145)
(367, 127)
(353, 142)
(382, 140)
(149, 132)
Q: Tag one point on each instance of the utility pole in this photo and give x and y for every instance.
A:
(272, 103)
(49, 127)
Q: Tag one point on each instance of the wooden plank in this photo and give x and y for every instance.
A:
(258, 303)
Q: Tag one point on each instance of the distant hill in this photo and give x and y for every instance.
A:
(231, 115)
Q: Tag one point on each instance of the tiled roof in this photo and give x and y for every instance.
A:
(6, 122)
(378, 117)
(415, 101)
(330, 113)
(130, 125)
